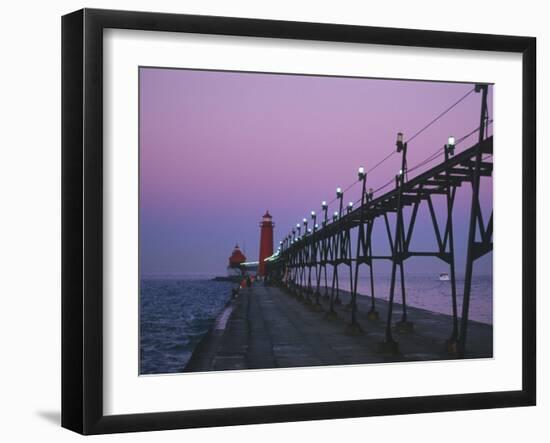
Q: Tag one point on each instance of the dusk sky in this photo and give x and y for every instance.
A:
(218, 149)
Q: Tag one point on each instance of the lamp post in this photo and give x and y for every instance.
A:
(362, 176)
(389, 345)
(304, 256)
(354, 327)
(450, 147)
(290, 275)
(331, 314)
(325, 210)
(297, 270)
(285, 269)
(398, 178)
(475, 217)
(340, 196)
(402, 147)
(453, 339)
(324, 251)
(300, 270)
(313, 251)
(400, 143)
(313, 260)
(399, 243)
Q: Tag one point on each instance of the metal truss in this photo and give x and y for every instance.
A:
(301, 265)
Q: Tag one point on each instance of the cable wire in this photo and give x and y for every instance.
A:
(424, 162)
(381, 161)
(440, 115)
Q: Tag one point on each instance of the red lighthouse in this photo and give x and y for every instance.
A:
(266, 241)
(237, 257)
(234, 269)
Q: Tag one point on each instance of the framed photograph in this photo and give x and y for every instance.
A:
(269, 221)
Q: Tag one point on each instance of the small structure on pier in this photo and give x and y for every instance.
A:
(238, 266)
(234, 268)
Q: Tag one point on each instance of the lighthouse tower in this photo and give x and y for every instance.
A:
(266, 241)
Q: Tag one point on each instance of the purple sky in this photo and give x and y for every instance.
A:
(219, 148)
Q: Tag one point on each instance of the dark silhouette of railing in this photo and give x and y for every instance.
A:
(301, 263)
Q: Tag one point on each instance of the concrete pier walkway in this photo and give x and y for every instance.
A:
(266, 327)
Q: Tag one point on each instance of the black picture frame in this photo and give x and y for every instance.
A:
(82, 215)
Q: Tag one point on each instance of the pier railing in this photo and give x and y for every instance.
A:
(346, 238)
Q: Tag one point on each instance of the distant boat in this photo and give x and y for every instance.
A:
(444, 276)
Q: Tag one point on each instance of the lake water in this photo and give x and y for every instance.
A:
(175, 314)
(428, 292)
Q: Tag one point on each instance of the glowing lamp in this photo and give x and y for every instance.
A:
(450, 146)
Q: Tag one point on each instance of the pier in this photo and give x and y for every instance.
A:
(267, 327)
(308, 311)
